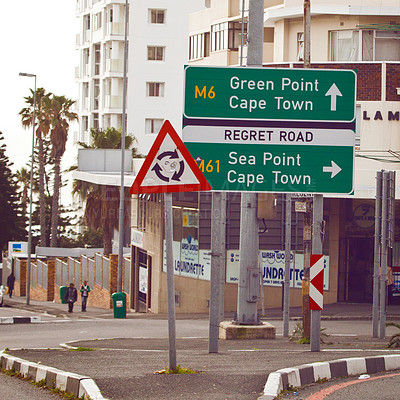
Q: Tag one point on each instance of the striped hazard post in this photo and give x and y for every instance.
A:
(316, 282)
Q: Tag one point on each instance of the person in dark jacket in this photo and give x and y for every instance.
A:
(71, 295)
(10, 284)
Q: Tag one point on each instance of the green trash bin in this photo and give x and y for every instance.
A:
(63, 290)
(119, 304)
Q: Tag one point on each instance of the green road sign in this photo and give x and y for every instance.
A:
(273, 160)
(270, 94)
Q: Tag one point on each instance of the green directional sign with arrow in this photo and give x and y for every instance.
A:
(274, 159)
(270, 94)
(276, 168)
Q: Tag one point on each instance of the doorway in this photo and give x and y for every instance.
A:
(360, 268)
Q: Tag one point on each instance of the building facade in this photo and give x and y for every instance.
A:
(157, 51)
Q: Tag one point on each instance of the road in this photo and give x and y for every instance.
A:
(56, 330)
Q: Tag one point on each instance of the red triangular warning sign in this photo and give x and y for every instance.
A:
(169, 167)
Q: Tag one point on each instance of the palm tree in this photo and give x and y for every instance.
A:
(23, 177)
(42, 129)
(102, 202)
(59, 108)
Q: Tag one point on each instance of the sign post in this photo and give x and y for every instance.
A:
(169, 168)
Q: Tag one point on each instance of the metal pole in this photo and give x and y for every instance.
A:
(170, 280)
(122, 186)
(217, 249)
(288, 245)
(317, 236)
(382, 312)
(307, 216)
(28, 266)
(377, 254)
(222, 277)
(247, 310)
(242, 36)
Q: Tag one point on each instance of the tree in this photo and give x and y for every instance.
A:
(42, 124)
(11, 217)
(102, 202)
(23, 177)
(59, 110)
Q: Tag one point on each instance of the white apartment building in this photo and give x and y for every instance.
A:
(158, 49)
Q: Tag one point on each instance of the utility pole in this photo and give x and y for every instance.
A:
(288, 245)
(218, 225)
(308, 214)
(384, 255)
(317, 239)
(377, 254)
(248, 291)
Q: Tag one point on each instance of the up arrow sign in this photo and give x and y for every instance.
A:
(333, 92)
(334, 169)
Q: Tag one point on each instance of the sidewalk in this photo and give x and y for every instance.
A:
(336, 311)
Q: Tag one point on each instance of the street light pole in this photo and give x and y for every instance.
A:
(28, 267)
(122, 186)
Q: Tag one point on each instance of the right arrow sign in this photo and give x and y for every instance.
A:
(334, 169)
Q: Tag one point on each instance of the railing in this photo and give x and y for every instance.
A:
(17, 269)
(42, 273)
(127, 275)
(106, 272)
(97, 275)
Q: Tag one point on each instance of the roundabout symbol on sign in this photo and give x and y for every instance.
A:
(169, 164)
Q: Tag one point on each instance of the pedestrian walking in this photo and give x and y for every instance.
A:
(85, 289)
(71, 295)
(10, 284)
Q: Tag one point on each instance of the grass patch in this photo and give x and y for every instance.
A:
(81, 349)
(177, 370)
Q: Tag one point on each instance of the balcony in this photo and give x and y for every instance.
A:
(114, 102)
(115, 28)
(114, 65)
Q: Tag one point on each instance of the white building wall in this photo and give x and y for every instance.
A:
(173, 34)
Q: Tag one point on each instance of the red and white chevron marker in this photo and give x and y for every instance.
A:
(316, 300)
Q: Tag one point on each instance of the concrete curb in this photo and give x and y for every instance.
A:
(309, 373)
(19, 320)
(79, 385)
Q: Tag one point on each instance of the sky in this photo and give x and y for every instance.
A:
(37, 37)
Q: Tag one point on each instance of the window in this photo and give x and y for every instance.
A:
(199, 46)
(86, 22)
(345, 45)
(155, 53)
(85, 123)
(155, 89)
(300, 46)
(153, 125)
(95, 120)
(219, 36)
(96, 94)
(157, 16)
(97, 59)
(226, 35)
(365, 45)
(97, 21)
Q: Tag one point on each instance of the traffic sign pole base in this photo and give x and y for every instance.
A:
(230, 331)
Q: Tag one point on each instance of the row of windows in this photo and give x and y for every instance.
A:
(152, 125)
(154, 17)
(223, 36)
(359, 45)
